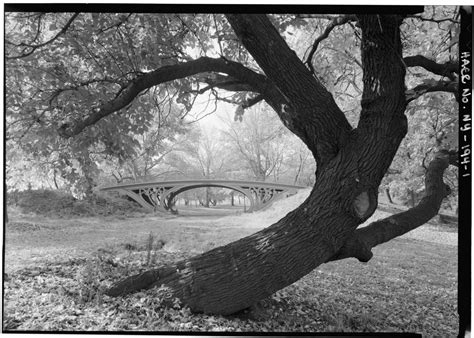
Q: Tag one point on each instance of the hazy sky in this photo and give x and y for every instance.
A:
(214, 120)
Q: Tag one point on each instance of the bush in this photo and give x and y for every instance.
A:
(44, 202)
(58, 203)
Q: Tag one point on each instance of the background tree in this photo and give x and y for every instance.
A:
(268, 150)
(200, 157)
(89, 84)
(258, 139)
(298, 164)
(163, 136)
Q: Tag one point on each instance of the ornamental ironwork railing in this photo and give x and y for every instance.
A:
(161, 194)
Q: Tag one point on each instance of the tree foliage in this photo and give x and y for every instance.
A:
(64, 67)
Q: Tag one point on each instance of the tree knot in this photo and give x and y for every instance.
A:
(364, 204)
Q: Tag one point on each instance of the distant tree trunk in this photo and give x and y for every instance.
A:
(442, 219)
(208, 197)
(54, 179)
(389, 197)
(412, 199)
(261, 176)
(298, 171)
(232, 198)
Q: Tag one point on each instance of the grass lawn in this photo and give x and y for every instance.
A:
(57, 270)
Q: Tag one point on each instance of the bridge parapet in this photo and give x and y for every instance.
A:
(159, 195)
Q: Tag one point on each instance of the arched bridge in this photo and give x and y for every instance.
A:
(159, 195)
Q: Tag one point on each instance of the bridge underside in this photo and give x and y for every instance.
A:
(159, 196)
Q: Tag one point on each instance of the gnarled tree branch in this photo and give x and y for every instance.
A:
(364, 239)
(432, 86)
(432, 19)
(337, 21)
(448, 69)
(224, 82)
(164, 74)
(315, 118)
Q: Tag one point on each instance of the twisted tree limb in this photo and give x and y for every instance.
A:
(225, 82)
(315, 118)
(254, 81)
(430, 87)
(336, 21)
(364, 239)
(448, 69)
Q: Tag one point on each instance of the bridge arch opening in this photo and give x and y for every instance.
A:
(209, 196)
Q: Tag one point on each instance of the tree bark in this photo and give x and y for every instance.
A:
(351, 164)
(448, 69)
(364, 239)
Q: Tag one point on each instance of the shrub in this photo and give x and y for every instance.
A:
(44, 202)
(61, 204)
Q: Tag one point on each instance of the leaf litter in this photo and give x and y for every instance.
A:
(409, 286)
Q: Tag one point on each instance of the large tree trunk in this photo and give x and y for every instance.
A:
(351, 165)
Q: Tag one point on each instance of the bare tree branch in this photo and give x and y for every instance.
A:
(165, 74)
(337, 21)
(448, 69)
(224, 82)
(432, 86)
(433, 19)
(35, 47)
